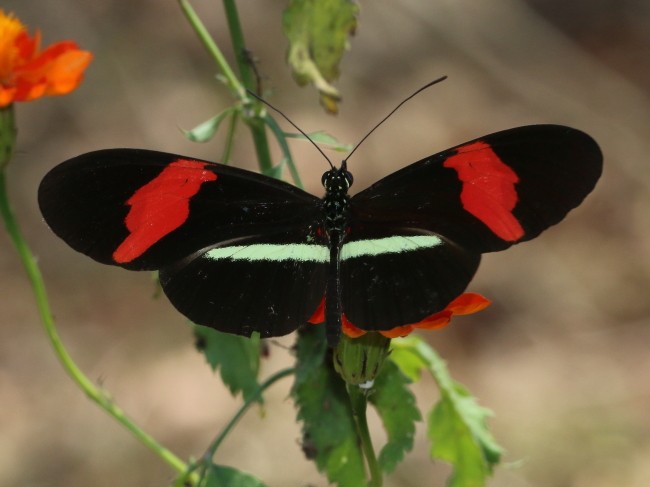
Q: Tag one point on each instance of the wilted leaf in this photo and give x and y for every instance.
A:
(318, 32)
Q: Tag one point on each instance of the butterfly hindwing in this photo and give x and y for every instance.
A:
(144, 209)
(270, 284)
(398, 276)
(490, 193)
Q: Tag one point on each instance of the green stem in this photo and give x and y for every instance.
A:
(239, 46)
(96, 394)
(213, 49)
(254, 122)
(206, 459)
(230, 137)
(257, 394)
(7, 135)
(359, 403)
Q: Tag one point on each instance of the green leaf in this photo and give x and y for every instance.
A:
(318, 32)
(220, 476)
(329, 434)
(206, 130)
(408, 360)
(322, 138)
(276, 171)
(236, 357)
(457, 424)
(396, 407)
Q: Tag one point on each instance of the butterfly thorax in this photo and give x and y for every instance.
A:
(336, 202)
(336, 205)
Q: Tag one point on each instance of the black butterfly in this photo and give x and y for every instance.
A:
(242, 252)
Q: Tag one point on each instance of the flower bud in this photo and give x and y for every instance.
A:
(358, 360)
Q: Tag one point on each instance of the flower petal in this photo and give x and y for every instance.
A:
(468, 303)
(319, 315)
(398, 331)
(56, 71)
(27, 74)
(349, 329)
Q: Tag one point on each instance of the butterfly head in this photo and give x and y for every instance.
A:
(337, 180)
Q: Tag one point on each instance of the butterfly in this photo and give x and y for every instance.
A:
(241, 252)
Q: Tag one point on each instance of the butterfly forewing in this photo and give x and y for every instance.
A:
(490, 193)
(145, 210)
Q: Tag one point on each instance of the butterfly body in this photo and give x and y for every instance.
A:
(242, 252)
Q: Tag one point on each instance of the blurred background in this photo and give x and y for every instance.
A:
(562, 356)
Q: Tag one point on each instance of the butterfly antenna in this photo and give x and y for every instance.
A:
(259, 98)
(431, 83)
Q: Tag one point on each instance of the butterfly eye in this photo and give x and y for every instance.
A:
(325, 177)
(348, 177)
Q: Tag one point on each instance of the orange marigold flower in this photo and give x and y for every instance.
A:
(28, 73)
(465, 304)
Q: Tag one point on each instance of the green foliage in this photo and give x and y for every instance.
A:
(237, 358)
(457, 424)
(395, 404)
(329, 434)
(205, 131)
(221, 476)
(322, 138)
(318, 32)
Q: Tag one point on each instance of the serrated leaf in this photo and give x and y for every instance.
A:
(206, 130)
(318, 32)
(458, 434)
(221, 476)
(396, 407)
(457, 424)
(408, 360)
(329, 434)
(236, 357)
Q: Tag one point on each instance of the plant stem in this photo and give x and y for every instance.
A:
(7, 135)
(257, 394)
(253, 120)
(206, 459)
(212, 47)
(359, 403)
(239, 46)
(96, 394)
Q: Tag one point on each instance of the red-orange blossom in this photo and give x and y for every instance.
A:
(27, 72)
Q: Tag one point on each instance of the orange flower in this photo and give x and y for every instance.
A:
(27, 73)
(465, 304)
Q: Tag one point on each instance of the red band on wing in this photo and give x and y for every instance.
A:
(488, 188)
(161, 206)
